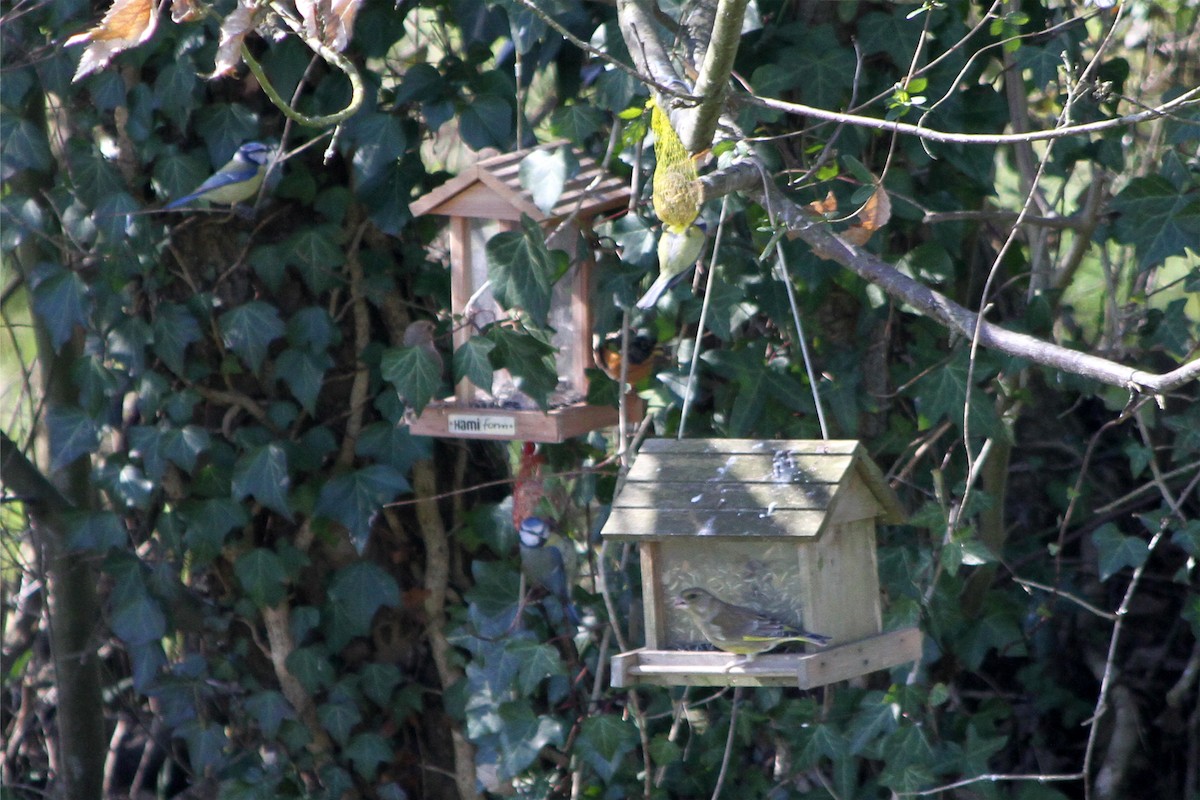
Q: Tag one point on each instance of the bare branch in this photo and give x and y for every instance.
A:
(746, 177)
(1184, 100)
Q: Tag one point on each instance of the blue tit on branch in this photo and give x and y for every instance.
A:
(677, 253)
(238, 180)
(549, 561)
(737, 629)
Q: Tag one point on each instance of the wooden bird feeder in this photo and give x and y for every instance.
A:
(785, 527)
(484, 200)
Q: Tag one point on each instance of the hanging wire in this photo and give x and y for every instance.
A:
(782, 268)
(689, 392)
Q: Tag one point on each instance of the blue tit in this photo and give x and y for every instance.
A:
(548, 560)
(238, 180)
(737, 629)
(677, 253)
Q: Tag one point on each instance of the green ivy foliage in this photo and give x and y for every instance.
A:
(259, 514)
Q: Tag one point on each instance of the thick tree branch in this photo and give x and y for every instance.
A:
(711, 85)
(748, 177)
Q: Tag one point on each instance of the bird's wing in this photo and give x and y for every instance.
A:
(237, 173)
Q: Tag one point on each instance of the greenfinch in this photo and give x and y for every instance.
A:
(677, 253)
(737, 629)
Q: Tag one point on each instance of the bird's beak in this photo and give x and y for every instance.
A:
(680, 603)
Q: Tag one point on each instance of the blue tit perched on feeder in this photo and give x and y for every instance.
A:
(548, 560)
(737, 629)
(238, 180)
(678, 250)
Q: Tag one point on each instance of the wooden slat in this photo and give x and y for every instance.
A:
(632, 524)
(745, 467)
(710, 496)
(842, 447)
(803, 670)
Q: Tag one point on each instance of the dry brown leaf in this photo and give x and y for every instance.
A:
(234, 29)
(126, 24)
(827, 206)
(876, 212)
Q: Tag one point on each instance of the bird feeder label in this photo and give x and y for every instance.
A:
(485, 424)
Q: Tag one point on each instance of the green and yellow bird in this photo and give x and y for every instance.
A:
(737, 629)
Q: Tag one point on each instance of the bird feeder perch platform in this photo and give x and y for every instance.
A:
(785, 527)
(483, 200)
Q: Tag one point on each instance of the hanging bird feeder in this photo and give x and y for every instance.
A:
(486, 199)
(786, 528)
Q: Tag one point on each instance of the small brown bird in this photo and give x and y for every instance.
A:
(737, 629)
(644, 357)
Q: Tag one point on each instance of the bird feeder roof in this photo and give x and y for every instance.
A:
(491, 189)
(749, 488)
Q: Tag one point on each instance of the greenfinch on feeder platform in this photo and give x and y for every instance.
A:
(737, 629)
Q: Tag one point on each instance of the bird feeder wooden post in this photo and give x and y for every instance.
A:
(784, 527)
(484, 200)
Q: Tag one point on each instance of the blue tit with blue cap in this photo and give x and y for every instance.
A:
(238, 180)
(549, 561)
(678, 250)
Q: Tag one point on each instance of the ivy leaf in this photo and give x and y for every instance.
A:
(379, 141)
(95, 531)
(544, 174)
(472, 362)
(577, 122)
(338, 719)
(377, 682)
(522, 269)
(415, 372)
(1157, 219)
(529, 358)
(269, 708)
(355, 498)
(174, 329)
(604, 741)
(493, 600)
(523, 734)
(536, 662)
(367, 751)
(1116, 551)
(315, 253)
(486, 122)
(139, 620)
(73, 433)
(184, 446)
(60, 300)
(249, 329)
(208, 522)
(393, 445)
(358, 591)
(262, 473)
(312, 329)
(310, 666)
(23, 145)
(262, 575)
(303, 371)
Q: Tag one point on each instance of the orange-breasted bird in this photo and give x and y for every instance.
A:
(644, 357)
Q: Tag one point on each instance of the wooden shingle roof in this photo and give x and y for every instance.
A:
(491, 189)
(748, 488)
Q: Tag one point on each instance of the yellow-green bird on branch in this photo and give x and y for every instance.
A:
(737, 629)
(677, 253)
